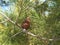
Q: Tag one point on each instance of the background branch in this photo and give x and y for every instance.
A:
(3, 21)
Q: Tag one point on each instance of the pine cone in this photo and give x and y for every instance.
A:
(26, 23)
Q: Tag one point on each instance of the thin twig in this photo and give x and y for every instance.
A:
(3, 21)
(16, 34)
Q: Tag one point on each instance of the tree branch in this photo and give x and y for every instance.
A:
(23, 30)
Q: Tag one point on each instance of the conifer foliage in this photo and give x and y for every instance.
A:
(40, 21)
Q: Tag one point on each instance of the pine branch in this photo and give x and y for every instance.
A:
(25, 31)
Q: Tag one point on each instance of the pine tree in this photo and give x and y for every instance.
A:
(41, 25)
